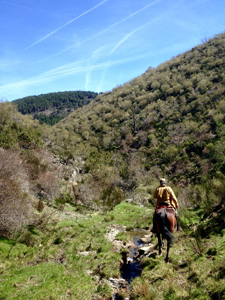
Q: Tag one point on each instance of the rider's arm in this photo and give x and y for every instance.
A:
(155, 194)
(173, 199)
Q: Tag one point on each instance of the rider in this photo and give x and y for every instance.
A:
(164, 195)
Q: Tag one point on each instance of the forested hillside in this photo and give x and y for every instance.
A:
(168, 121)
(52, 107)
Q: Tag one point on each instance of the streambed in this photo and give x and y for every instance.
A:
(131, 267)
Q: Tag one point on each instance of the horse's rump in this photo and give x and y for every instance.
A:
(171, 219)
(165, 222)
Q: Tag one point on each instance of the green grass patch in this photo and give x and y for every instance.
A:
(73, 259)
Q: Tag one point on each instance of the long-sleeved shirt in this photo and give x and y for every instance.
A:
(165, 194)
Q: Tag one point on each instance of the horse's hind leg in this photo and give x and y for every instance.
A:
(168, 249)
(159, 243)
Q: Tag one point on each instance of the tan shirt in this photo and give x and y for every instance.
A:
(165, 194)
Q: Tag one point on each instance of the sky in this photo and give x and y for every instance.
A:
(95, 45)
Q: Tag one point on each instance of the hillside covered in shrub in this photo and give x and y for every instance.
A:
(169, 121)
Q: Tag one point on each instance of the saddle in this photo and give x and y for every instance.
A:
(164, 205)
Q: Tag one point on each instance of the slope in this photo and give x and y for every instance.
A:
(169, 121)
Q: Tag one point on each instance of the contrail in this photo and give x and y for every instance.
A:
(67, 70)
(64, 25)
(131, 33)
(125, 38)
(104, 30)
(14, 4)
(91, 62)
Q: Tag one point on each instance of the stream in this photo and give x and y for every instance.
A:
(131, 267)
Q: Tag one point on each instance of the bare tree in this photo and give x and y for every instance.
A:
(49, 184)
(15, 208)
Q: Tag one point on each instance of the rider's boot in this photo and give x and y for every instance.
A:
(178, 226)
(177, 218)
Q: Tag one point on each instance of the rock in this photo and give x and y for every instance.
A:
(130, 200)
(86, 253)
(146, 239)
(118, 283)
(114, 230)
(147, 249)
(129, 244)
(152, 254)
(118, 245)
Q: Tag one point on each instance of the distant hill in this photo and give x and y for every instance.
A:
(52, 107)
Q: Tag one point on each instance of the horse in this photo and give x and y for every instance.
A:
(164, 221)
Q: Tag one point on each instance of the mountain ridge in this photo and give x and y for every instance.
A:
(52, 107)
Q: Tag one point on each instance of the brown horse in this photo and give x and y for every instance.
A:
(164, 223)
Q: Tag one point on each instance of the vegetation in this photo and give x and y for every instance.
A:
(17, 131)
(196, 265)
(15, 207)
(169, 121)
(68, 258)
(71, 258)
(27, 175)
(62, 187)
(51, 108)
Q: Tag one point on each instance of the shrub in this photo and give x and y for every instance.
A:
(49, 185)
(15, 209)
(6, 112)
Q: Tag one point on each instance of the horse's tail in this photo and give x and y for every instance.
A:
(164, 230)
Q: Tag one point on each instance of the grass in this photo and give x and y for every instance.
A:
(190, 273)
(72, 259)
(58, 265)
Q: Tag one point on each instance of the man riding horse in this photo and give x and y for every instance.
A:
(165, 216)
(165, 196)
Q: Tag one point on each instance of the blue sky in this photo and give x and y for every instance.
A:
(95, 45)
